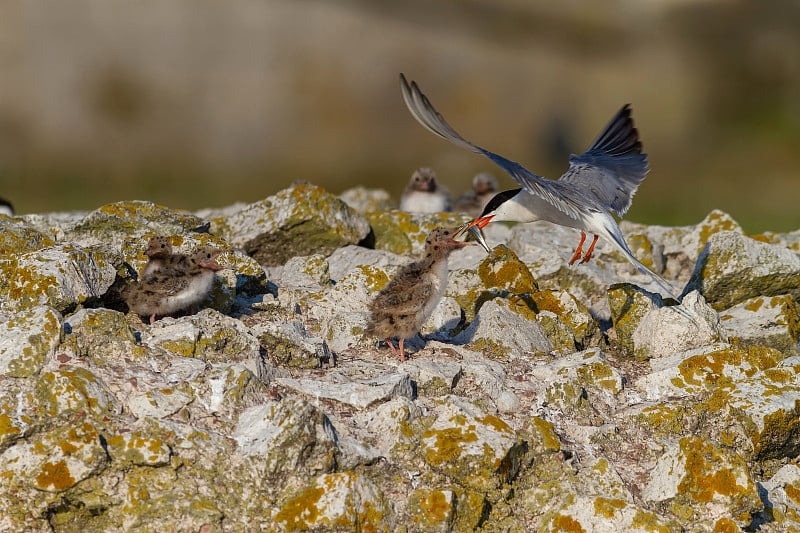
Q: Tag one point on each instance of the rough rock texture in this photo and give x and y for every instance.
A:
(302, 220)
(538, 397)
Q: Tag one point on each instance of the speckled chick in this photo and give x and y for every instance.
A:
(406, 302)
(424, 194)
(159, 251)
(184, 283)
(484, 187)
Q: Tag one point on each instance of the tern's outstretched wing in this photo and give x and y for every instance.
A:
(613, 166)
(422, 110)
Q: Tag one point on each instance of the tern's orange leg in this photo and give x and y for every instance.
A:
(402, 351)
(152, 318)
(579, 250)
(391, 346)
(591, 249)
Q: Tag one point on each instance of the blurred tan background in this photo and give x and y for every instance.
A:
(203, 103)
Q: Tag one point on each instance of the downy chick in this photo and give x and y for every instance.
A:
(423, 194)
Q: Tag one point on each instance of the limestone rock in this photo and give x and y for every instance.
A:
(499, 329)
(701, 370)
(114, 223)
(344, 500)
(348, 258)
(364, 200)
(476, 450)
(432, 510)
(433, 377)
(664, 331)
(288, 344)
(782, 491)
(292, 436)
(704, 483)
(299, 221)
(390, 423)
(19, 237)
(765, 321)
(733, 268)
(27, 340)
(404, 233)
(60, 276)
(357, 385)
(601, 513)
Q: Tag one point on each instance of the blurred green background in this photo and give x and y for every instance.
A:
(201, 103)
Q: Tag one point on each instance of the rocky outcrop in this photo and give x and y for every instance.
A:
(538, 397)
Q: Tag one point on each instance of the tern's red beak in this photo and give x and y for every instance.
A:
(481, 222)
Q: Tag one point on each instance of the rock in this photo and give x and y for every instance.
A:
(344, 500)
(600, 513)
(288, 344)
(733, 268)
(663, 331)
(390, 423)
(703, 482)
(502, 331)
(208, 335)
(701, 370)
(676, 248)
(117, 222)
(364, 200)
(757, 415)
(292, 436)
(349, 258)
(299, 221)
(783, 507)
(404, 233)
(28, 340)
(582, 385)
(476, 450)
(357, 385)
(446, 317)
(432, 377)
(764, 321)
(307, 273)
(18, 237)
(432, 510)
(60, 276)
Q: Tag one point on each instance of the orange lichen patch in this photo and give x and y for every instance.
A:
(548, 433)
(7, 427)
(715, 222)
(302, 510)
(448, 441)
(792, 492)
(608, 507)
(434, 508)
(547, 301)
(779, 429)
(726, 525)
(707, 473)
(496, 423)
(503, 269)
(566, 524)
(56, 476)
(754, 304)
(709, 368)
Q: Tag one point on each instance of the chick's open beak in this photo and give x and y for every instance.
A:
(474, 228)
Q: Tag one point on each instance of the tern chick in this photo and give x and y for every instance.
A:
(424, 194)
(406, 302)
(159, 252)
(484, 187)
(184, 283)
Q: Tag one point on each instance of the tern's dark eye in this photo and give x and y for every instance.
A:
(447, 233)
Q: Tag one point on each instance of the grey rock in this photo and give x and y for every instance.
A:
(28, 340)
(61, 276)
(360, 386)
(733, 268)
(500, 329)
(298, 221)
(764, 321)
